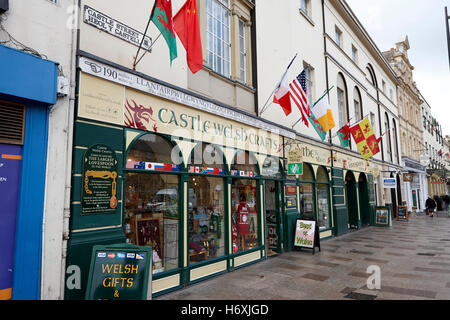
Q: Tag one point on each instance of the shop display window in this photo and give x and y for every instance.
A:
(152, 199)
(206, 218)
(151, 216)
(323, 208)
(244, 203)
(245, 215)
(306, 201)
(306, 193)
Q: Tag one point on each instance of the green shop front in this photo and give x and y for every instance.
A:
(206, 192)
(335, 189)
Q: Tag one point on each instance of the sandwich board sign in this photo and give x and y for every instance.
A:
(306, 235)
(120, 272)
(402, 213)
(382, 216)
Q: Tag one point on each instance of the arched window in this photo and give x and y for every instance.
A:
(307, 192)
(154, 149)
(388, 136)
(371, 76)
(152, 195)
(323, 198)
(342, 96)
(395, 137)
(357, 104)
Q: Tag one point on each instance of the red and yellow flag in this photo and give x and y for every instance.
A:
(365, 139)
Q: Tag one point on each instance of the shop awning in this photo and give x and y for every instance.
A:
(27, 76)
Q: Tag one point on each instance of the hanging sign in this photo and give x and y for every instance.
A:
(389, 183)
(408, 177)
(295, 168)
(120, 272)
(99, 188)
(294, 155)
(382, 216)
(306, 235)
(402, 213)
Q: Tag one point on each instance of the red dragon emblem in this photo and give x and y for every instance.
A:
(135, 115)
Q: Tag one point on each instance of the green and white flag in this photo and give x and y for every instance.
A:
(161, 16)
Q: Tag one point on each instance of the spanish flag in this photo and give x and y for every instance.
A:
(365, 139)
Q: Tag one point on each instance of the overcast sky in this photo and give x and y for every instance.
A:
(387, 21)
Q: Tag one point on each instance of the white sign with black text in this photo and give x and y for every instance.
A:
(103, 22)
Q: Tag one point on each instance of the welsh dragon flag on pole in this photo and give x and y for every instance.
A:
(161, 16)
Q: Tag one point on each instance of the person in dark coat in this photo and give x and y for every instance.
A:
(430, 204)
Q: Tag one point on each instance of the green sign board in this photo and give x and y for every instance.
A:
(295, 168)
(120, 272)
(99, 189)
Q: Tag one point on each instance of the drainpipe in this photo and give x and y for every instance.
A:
(69, 146)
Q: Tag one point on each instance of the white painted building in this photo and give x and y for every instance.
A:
(338, 53)
(434, 151)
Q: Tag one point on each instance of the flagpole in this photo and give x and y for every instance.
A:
(264, 108)
(324, 94)
(140, 46)
(153, 42)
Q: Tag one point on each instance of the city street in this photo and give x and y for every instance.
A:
(414, 258)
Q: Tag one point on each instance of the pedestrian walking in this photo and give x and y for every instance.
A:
(430, 205)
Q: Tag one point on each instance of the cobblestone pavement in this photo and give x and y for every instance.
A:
(414, 258)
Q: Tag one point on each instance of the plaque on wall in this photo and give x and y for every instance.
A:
(99, 184)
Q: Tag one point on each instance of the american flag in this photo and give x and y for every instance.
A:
(298, 91)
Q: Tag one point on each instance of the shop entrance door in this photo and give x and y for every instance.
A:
(10, 165)
(363, 192)
(273, 217)
(352, 200)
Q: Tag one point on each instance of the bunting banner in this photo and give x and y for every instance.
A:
(365, 139)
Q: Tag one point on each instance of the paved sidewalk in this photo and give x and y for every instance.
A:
(414, 258)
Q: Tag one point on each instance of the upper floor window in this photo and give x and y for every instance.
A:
(309, 84)
(242, 51)
(338, 36)
(218, 36)
(357, 104)
(383, 86)
(354, 54)
(342, 100)
(372, 121)
(305, 7)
